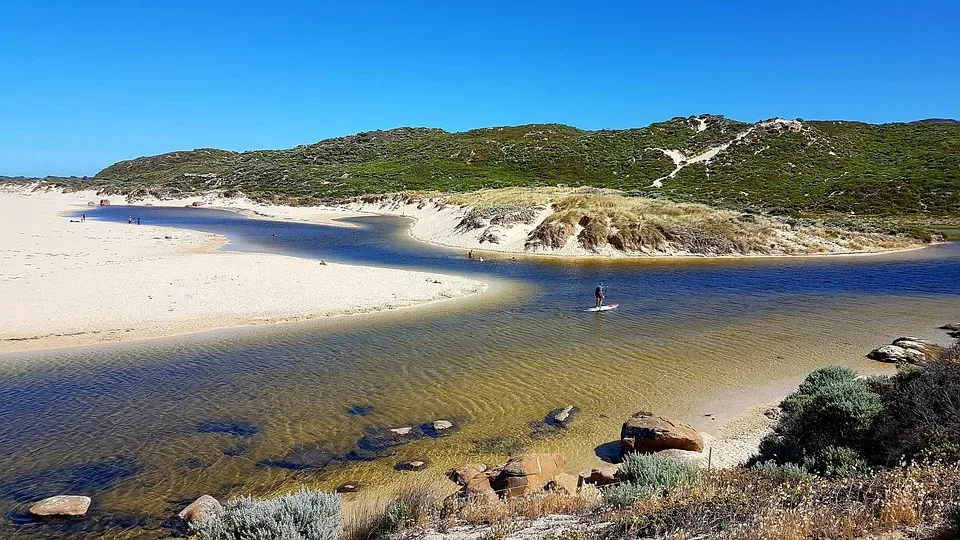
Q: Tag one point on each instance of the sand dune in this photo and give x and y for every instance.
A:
(66, 283)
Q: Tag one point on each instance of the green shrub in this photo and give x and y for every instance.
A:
(831, 409)
(834, 461)
(787, 473)
(921, 416)
(657, 472)
(626, 495)
(305, 515)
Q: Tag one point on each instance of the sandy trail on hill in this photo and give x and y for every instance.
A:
(66, 283)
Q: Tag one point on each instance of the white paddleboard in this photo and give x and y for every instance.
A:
(607, 307)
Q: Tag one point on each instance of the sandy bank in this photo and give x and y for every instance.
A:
(66, 283)
(500, 228)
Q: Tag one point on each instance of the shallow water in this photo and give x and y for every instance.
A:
(145, 427)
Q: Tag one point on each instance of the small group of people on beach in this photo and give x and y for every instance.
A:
(130, 220)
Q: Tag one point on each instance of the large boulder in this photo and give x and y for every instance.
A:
(646, 433)
(199, 508)
(61, 506)
(475, 480)
(528, 473)
(896, 354)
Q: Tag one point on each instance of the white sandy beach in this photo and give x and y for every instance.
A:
(66, 283)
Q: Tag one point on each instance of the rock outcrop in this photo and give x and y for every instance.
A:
(603, 477)
(565, 483)
(895, 354)
(475, 480)
(521, 475)
(61, 506)
(199, 508)
(645, 433)
(528, 473)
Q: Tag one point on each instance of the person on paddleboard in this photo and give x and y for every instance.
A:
(600, 293)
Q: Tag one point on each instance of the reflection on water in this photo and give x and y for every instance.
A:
(144, 427)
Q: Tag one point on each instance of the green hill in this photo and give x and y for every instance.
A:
(816, 167)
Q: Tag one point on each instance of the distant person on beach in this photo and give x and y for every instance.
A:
(129, 220)
(470, 255)
(138, 221)
(600, 293)
(83, 217)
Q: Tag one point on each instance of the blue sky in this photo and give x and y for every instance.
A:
(85, 84)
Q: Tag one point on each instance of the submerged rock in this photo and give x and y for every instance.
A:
(645, 433)
(308, 456)
(239, 428)
(411, 466)
(360, 410)
(349, 487)
(198, 508)
(61, 506)
(562, 417)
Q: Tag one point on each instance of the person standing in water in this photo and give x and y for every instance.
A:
(600, 293)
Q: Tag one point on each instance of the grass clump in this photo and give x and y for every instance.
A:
(304, 515)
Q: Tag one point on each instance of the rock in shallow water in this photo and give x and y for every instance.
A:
(897, 354)
(61, 506)
(411, 466)
(562, 417)
(198, 508)
(644, 433)
(239, 428)
(308, 456)
(349, 487)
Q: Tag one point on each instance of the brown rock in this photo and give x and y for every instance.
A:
(565, 483)
(603, 477)
(198, 203)
(104, 202)
(61, 506)
(647, 433)
(200, 507)
(91, 203)
(528, 473)
(954, 327)
(475, 480)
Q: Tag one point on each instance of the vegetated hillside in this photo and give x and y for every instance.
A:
(818, 167)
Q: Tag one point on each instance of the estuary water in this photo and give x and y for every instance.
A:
(146, 427)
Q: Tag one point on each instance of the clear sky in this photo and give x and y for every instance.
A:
(84, 84)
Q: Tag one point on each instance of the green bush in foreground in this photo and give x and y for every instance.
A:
(305, 515)
(644, 475)
(826, 425)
